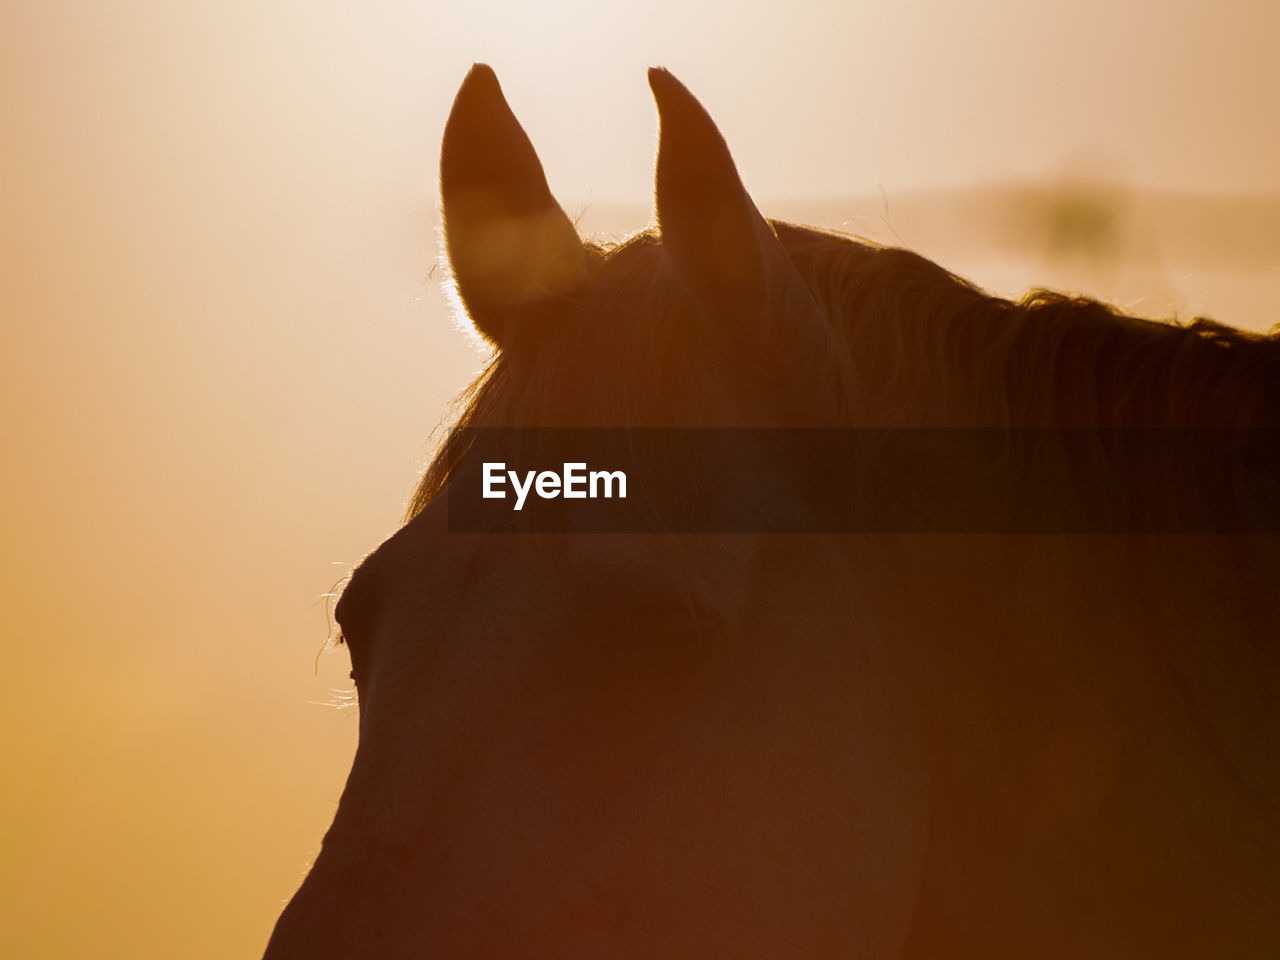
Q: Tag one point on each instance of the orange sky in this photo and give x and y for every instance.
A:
(223, 354)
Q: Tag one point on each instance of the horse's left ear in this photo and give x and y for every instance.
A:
(510, 244)
(716, 238)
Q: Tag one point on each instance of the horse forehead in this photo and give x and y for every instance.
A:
(534, 582)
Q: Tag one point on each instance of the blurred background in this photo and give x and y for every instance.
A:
(225, 345)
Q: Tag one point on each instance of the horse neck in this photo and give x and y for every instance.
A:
(1080, 718)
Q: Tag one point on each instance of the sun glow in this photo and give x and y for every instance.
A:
(223, 352)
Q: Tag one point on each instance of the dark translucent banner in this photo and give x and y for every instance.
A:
(835, 481)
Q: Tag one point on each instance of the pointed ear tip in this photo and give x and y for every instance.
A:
(661, 81)
(478, 102)
(669, 93)
(480, 75)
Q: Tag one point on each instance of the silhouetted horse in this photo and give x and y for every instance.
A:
(1002, 742)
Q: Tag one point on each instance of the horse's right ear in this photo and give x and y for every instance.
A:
(726, 252)
(510, 244)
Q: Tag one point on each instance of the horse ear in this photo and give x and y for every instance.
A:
(510, 244)
(716, 238)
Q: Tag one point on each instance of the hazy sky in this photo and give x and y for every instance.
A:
(223, 353)
(816, 98)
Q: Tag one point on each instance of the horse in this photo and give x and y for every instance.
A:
(642, 736)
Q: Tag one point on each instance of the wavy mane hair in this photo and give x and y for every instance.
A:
(914, 345)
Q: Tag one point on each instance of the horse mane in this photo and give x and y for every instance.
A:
(917, 345)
